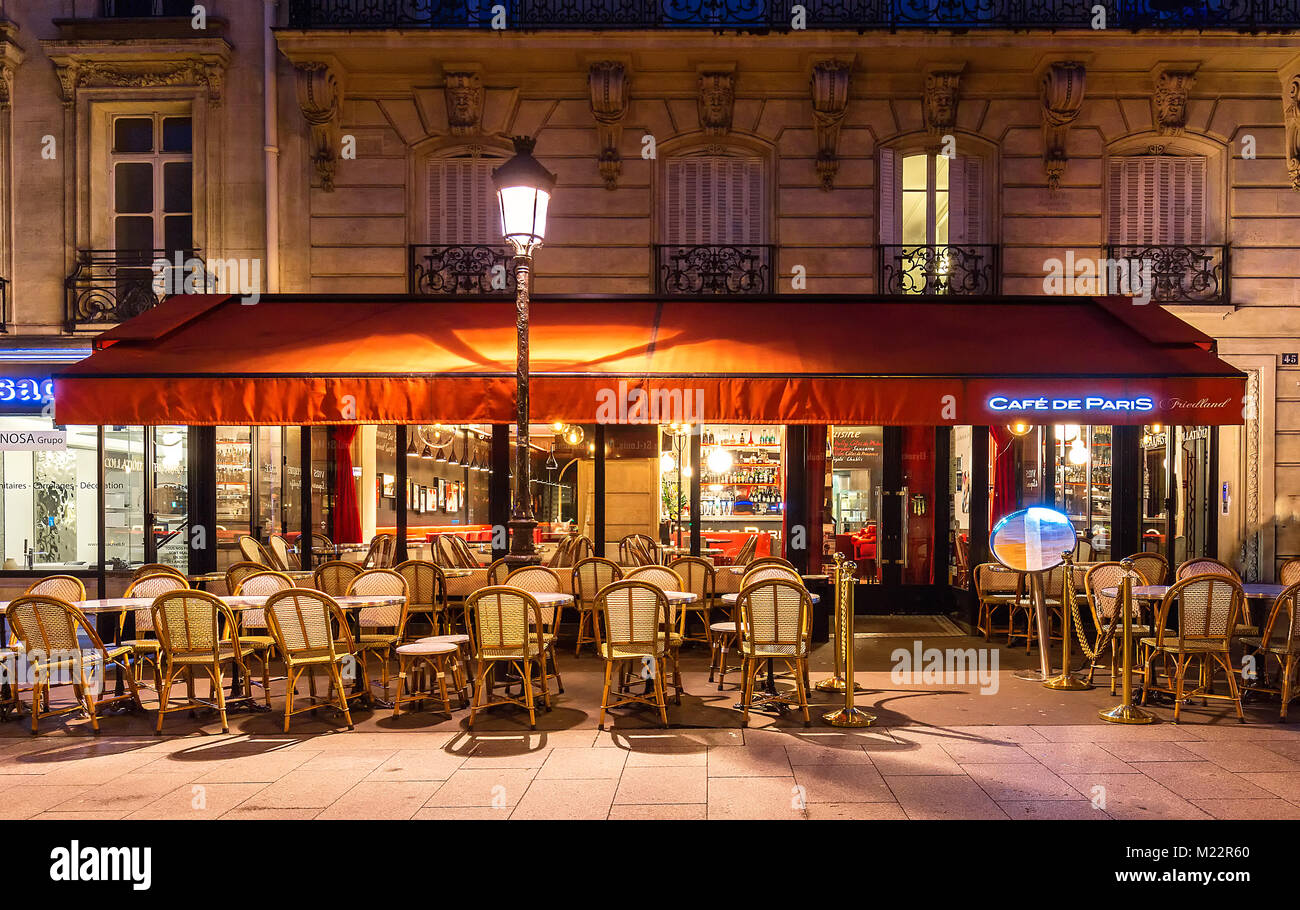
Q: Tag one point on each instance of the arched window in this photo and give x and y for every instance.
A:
(1157, 199)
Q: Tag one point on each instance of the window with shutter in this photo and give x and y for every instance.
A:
(462, 202)
(713, 200)
(927, 199)
(891, 198)
(1156, 199)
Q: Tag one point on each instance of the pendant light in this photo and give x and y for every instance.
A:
(410, 445)
(442, 457)
(454, 460)
(428, 453)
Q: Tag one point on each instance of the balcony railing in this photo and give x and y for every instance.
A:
(108, 286)
(776, 15)
(1180, 273)
(142, 9)
(461, 269)
(716, 269)
(941, 269)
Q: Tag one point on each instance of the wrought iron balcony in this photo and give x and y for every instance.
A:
(941, 269)
(461, 269)
(143, 9)
(108, 286)
(1180, 273)
(716, 269)
(776, 15)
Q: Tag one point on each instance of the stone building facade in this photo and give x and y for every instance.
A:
(690, 159)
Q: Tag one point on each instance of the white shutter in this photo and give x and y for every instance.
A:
(966, 197)
(1155, 199)
(462, 202)
(890, 216)
(713, 200)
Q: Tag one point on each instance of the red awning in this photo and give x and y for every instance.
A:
(299, 359)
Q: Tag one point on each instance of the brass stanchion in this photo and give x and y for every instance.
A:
(1066, 680)
(1126, 712)
(850, 715)
(836, 683)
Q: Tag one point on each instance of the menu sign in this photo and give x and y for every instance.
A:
(856, 449)
(631, 441)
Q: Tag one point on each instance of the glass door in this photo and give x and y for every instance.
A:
(234, 491)
(169, 498)
(124, 497)
(857, 467)
(269, 453)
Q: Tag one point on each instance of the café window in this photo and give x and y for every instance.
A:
(49, 520)
(1083, 485)
(151, 184)
(1157, 199)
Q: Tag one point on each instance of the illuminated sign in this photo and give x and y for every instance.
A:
(25, 394)
(1004, 403)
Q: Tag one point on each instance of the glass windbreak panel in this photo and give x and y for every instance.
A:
(1155, 489)
(234, 491)
(322, 493)
(123, 497)
(918, 505)
(1083, 484)
(857, 469)
(959, 472)
(270, 455)
(742, 489)
(49, 518)
(385, 491)
(1195, 503)
(170, 497)
(291, 498)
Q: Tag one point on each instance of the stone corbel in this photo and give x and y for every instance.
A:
(1291, 120)
(830, 101)
(320, 97)
(939, 103)
(463, 90)
(1061, 91)
(1169, 99)
(10, 56)
(717, 100)
(609, 90)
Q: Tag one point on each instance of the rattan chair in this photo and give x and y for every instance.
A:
(254, 629)
(279, 549)
(635, 615)
(1084, 551)
(158, 568)
(583, 548)
(506, 628)
(701, 579)
(755, 572)
(333, 577)
(57, 638)
(1107, 619)
(665, 579)
(426, 593)
(147, 651)
(1208, 608)
(444, 552)
(497, 572)
(302, 622)
(67, 588)
(1153, 567)
(380, 582)
(380, 554)
(1289, 572)
(996, 587)
(253, 551)
(590, 575)
(238, 571)
(1281, 641)
(1204, 565)
(771, 561)
(560, 558)
(189, 625)
(747, 550)
(541, 580)
(775, 624)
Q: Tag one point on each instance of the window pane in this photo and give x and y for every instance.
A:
(133, 134)
(914, 218)
(177, 134)
(941, 172)
(178, 232)
(50, 504)
(914, 167)
(941, 216)
(133, 234)
(133, 186)
(177, 196)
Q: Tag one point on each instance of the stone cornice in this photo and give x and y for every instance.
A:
(200, 63)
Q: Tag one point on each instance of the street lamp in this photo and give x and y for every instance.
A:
(524, 190)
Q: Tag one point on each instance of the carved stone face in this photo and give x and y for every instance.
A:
(1170, 101)
(464, 100)
(941, 99)
(716, 98)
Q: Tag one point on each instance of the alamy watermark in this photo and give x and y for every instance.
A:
(951, 666)
(624, 405)
(242, 277)
(1098, 277)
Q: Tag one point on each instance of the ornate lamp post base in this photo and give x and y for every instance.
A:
(522, 552)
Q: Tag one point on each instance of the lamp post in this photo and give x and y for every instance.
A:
(524, 190)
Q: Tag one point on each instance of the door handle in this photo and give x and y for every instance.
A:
(906, 524)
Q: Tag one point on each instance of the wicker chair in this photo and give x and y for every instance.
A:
(280, 553)
(426, 593)
(302, 622)
(333, 577)
(147, 651)
(1281, 641)
(45, 626)
(560, 559)
(755, 572)
(238, 571)
(701, 579)
(1289, 572)
(253, 551)
(996, 586)
(189, 626)
(1208, 608)
(770, 561)
(497, 572)
(1105, 609)
(583, 548)
(67, 588)
(157, 568)
(747, 550)
(637, 550)
(260, 584)
(590, 575)
(1204, 565)
(541, 580)
(1153, 567)
(635, 615)
(506, 627)
(776, 624)
(444, 552)
(380, 554)
(380, 582)
(665, 579)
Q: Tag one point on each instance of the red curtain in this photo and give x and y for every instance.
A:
(347, 512)
(1004, 474)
